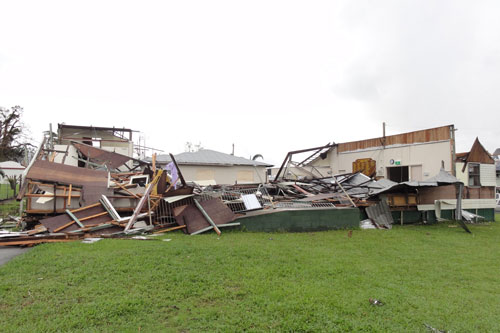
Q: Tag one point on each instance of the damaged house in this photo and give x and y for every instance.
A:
(84, 182)
(78, 186)
(77, 166)
(421, 170)
(117, 140)
(402, 157)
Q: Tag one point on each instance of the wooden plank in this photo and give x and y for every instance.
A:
(85, 208)
(89, 215)
(35, 241)
(169, 229)
(301, 190)
(49, 195)
(69, 194)
(38, 229)
(64, 226)
(347, 195)
(141, 203)
(126, 190)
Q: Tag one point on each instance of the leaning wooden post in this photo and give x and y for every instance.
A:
(141, 203)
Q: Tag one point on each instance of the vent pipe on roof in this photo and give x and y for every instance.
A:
(233, 150)
(383, 133)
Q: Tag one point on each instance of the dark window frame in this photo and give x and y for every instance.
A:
(404, 170)
(474, 170)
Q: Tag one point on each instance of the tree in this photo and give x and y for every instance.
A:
(191, 148)
(11, 133)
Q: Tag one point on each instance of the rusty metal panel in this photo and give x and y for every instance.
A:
(52, 223)
(66, 174)
(194, 219)
(110, 159)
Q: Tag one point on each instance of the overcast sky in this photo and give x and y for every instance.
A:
(268, 76)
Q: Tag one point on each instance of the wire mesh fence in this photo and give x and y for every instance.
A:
(6, 192)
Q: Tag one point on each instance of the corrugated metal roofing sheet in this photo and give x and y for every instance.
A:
(209, 157)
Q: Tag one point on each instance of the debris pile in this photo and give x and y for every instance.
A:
(112, 195)
(75, 190)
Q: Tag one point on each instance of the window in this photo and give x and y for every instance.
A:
(474, 174)
(398, 174)
(142, 180)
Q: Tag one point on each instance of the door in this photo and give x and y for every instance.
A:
(416, 173)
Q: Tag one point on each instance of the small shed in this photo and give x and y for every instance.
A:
(10, 169)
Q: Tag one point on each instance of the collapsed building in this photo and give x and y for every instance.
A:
(84, 182)
(416, 160)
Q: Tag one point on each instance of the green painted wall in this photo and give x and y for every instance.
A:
(409, 216)
(487, 213)
(303, 220)
(430, 216)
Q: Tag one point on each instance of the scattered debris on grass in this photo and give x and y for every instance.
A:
(376, 302)
(435, 330)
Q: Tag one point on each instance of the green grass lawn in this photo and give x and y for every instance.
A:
(9, 207)
(320, 281)
(6, 192)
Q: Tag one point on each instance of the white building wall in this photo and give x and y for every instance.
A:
(224, 174)
(109, 142)
(487, 174)
(71, 158)
(427, 155)
(303, 172)
(462, 176)
(11, 169)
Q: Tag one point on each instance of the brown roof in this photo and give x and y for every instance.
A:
(477, 154)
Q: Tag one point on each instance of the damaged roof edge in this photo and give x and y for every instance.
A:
(210, 157)
(104, 155)
(118, 129)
